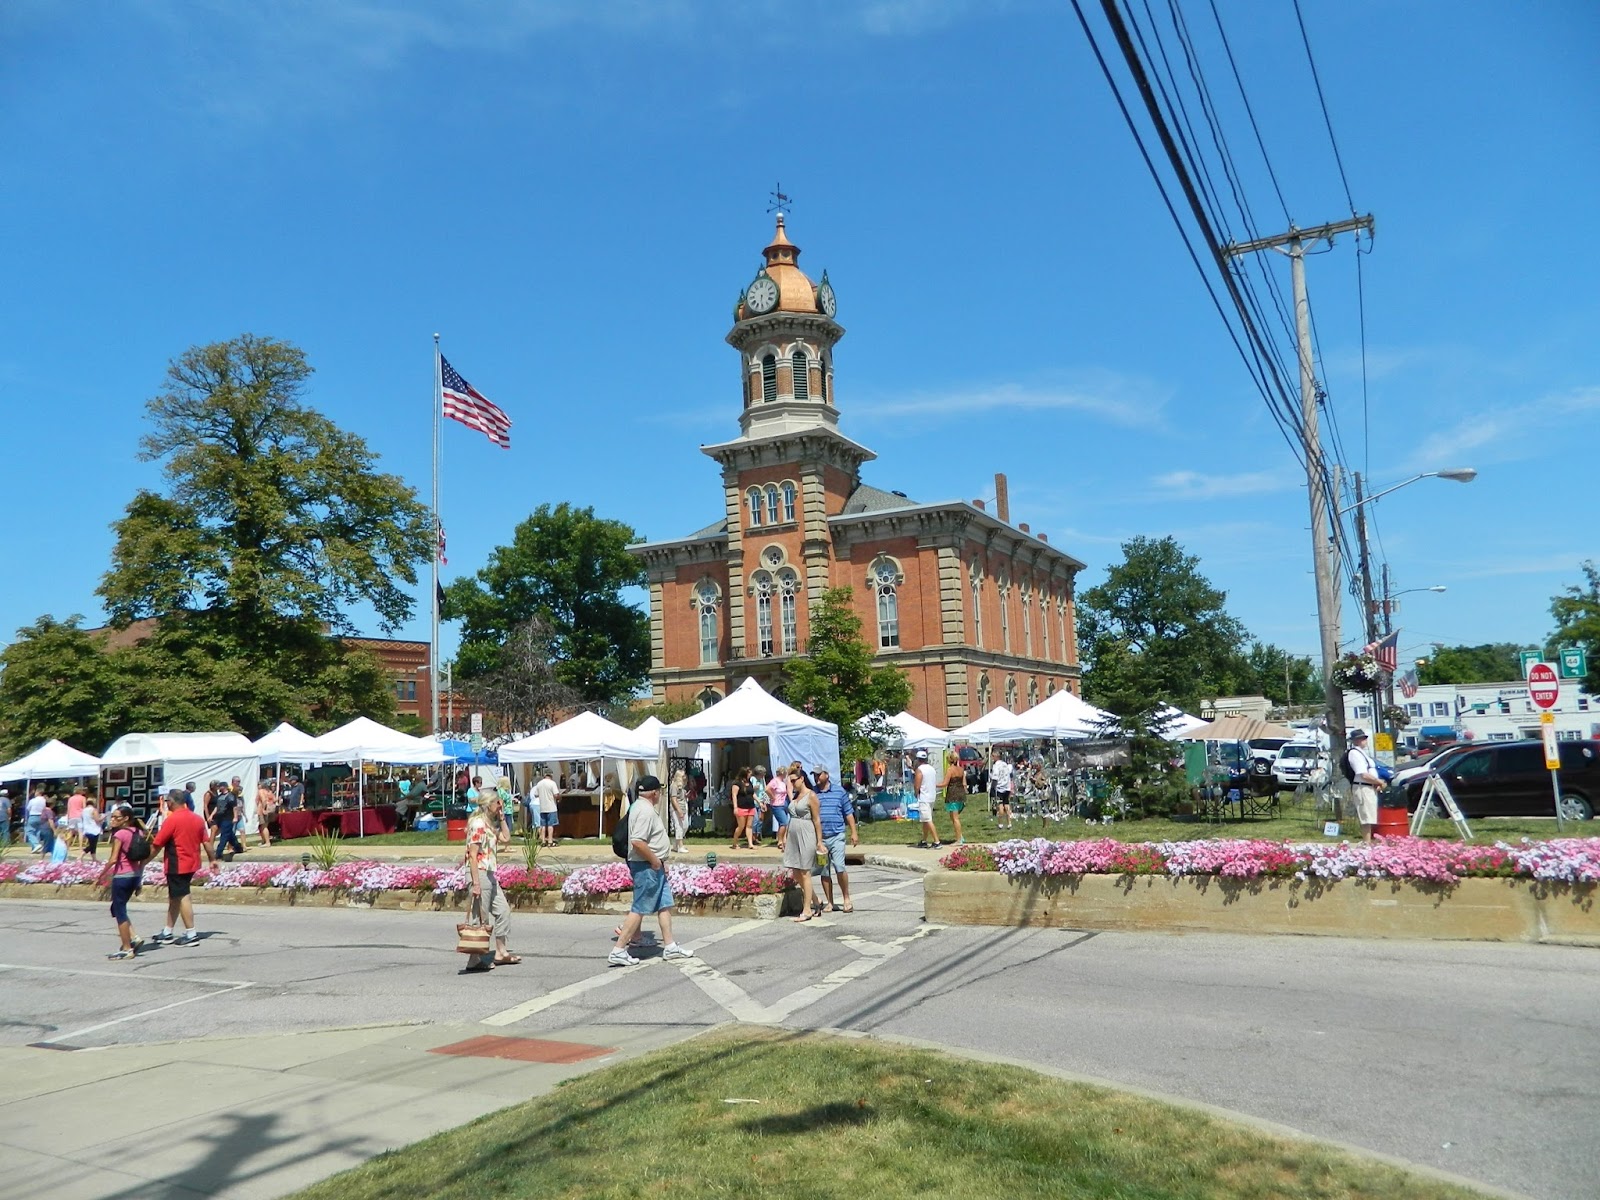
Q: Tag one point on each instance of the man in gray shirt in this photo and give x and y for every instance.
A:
(647, 848)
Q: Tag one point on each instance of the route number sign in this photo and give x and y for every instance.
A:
(1544, 689)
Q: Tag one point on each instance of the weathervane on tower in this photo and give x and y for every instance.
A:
(778, 201)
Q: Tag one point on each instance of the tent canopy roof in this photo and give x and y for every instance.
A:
(587, 735)
(1062, 715)
(53, 760)
(176, 747)
(748, 711)
(1236, 729)
(913, 733)
(983, 729)
(365, 740)
(285, 744)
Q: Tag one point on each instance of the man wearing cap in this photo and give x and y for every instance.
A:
(927, 796)
(1362, 772)
(181, 838)
(838, 814)
(647, 848)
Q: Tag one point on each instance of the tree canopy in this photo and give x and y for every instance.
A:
(1494, 662)
(835, 680)
(566, 567)
(1577, 614)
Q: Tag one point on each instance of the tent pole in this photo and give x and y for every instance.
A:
(361, 790)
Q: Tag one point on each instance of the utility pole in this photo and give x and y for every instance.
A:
(1323, 549)
(1388, 628)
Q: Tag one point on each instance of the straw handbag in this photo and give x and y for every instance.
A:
(473, 937)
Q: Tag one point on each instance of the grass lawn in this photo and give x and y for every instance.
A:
(822, 1116)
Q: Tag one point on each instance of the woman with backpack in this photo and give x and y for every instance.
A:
(129, 848)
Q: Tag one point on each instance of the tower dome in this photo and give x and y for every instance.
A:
(796, 292)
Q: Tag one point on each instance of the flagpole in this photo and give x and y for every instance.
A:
(433, 597)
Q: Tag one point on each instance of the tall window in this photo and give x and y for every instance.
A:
(772, 504)
(1044, 624)
(1002, 588)
(788, 500)
(1025, 599)
(827, 381)
(761, 587)
(1033, 692)
(788, 591)
(708, 697)
(769, 378)
(706, 600)
(752, 500)
(1011, 692)
(975, 576)
(1050, 689)
(985, 694)
(800, 366)
(1061, 625)
(886, 580)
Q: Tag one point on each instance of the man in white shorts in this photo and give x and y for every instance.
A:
(545, 808)
(1364, 783)
(927, 796)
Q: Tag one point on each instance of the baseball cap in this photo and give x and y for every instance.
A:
(922, 754)
(649, 783)
(1357, 735)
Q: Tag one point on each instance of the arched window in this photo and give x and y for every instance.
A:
(827, 381)
(708, 697)
(1044, 624)
(772, 504)
(1033, 692)
(1025, 600)
(886, 578)
(800, 367)
(1002, 587)
(752, 500)
(1011, 692)
(975, 577)
(761, 588)
(788, 591)
(1061, 627)
(985, 694)
(769, 378)
(1050, 689)
(788, 500)
(707, 599)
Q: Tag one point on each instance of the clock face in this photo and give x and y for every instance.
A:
(762, 296)
(826, 300)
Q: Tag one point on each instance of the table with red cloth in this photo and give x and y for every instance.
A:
(346, 822)
(302, 822)
(378, 818)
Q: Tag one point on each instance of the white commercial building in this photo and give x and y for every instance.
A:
(1482, 712)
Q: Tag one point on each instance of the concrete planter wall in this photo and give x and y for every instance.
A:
(1504, 910)
(614, 903)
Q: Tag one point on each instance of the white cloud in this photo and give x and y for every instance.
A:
(1510, 431)
(1118, 400)
(1197, 485)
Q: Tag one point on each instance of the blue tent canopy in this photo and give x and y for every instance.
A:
(461, 753)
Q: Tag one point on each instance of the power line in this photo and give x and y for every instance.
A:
(1326, 119)
(1250, 112)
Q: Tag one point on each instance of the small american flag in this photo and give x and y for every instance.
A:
(1408, 684)
(1387, 652)
(464, 403)
(443, 561)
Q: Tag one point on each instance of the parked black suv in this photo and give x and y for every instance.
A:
(1509, 779)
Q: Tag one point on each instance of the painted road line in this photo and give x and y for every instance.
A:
(137, 976)
(561, 995)
(149, 1012)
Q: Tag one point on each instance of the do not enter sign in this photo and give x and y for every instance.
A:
(1544, 689)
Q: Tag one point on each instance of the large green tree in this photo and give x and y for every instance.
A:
(1494, 662)
(273, 514)
(1166, 624)
(1577, 614)
(567, 568)
(57, 682)
(835, 680)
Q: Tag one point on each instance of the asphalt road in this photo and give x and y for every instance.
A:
(1475, 1058)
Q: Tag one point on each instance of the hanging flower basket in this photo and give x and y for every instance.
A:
(1357, 673)
(1396, 717)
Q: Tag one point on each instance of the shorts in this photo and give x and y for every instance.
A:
(745, 808)
(1001, 797)
(651, 892)
(780, 815)
(955, 806)
(1366, 802)
(549, 820)
(122, 889)
(833, 849)
(178, 885)
(925, 810)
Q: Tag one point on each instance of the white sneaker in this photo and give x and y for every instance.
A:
(621, 958)
(674, 950)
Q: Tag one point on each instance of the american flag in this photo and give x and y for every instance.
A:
(443, 561)
(1387, 652)
(465, 403)
(1408, 683)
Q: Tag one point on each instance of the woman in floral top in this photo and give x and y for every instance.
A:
(484, 829)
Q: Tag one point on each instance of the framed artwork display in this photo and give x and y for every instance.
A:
(140, 773)
(124, 792)
(116, 774)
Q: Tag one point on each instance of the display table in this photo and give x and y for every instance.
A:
(378, 818)
(299, 823)
(346, 822)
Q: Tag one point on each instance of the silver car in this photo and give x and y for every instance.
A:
(1297, 760)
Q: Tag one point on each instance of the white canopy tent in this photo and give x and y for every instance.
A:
(1063, 715)
(985, 728)
(749, 711)
(190, 757)
(364, 740)
(908, 732)
(286, 744)
(1174, 723)
(585, 737)
(53, 760)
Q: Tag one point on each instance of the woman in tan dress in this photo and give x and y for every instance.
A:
(805, 835)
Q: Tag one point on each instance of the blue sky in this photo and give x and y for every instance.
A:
(573, 194)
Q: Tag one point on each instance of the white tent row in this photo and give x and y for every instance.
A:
(53, 760)
(585, 737)
(906, 732)
(993, 726)
(191, 757)
(749, 711)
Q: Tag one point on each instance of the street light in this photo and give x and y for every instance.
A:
(1455, 474)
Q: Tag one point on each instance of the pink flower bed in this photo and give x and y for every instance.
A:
(1564, 860)
(688, 883)
(357, 877)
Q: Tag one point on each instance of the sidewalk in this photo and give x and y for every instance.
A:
(260, 1117)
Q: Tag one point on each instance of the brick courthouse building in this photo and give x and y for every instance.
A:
(976, 611)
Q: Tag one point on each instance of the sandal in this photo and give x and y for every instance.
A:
(508, 960)
(796, 920)
(849, 908)
(836, 907)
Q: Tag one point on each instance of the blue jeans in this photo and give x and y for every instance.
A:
(226, 837)
(122, 889)
(5, 833)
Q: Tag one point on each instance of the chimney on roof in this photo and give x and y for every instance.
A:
(1044, 537)
(1002, 498)
(1023, 527)
(978, 504)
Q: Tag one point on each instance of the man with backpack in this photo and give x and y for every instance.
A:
(641, 838)
(180, 838)
(1362, 774)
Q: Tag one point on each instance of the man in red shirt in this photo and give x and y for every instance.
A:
(180, 839)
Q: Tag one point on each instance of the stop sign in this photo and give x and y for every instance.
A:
(1544, 689)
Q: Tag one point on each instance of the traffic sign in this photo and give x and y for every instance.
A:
(477, 722)
(1547, 731)
(1544, 689)
(1526, 659)
(1574, 662)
